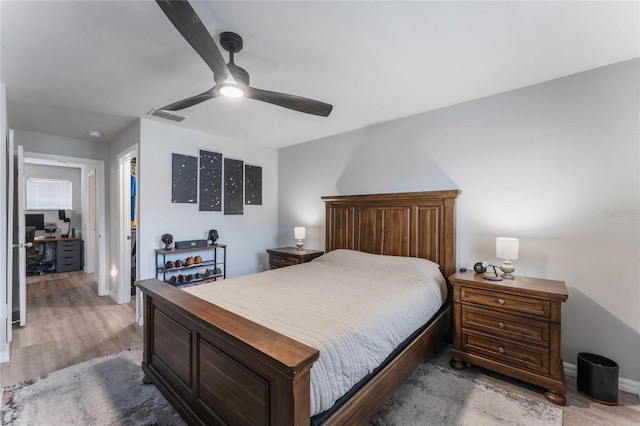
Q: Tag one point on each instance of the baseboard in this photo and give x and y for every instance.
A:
(570, 369)
(625, 385)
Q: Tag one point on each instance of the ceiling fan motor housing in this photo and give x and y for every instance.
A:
(231, 42)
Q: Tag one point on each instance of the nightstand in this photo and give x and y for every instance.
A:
(511, 327)
(287, 256)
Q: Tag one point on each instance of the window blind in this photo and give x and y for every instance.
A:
(48, 194)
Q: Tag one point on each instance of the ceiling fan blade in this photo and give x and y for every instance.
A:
(297, 103)
(194, 100)
(187, 22)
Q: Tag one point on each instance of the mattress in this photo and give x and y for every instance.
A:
(355, 308)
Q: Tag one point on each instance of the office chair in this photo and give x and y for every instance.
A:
(35, 254)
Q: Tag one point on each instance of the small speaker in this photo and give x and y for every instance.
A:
(213, 236)
(190, 244)
(167, 239)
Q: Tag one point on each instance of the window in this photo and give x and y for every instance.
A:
(48, 194)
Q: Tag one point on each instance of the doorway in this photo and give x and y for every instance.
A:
(91, 217)
(127, 223)
(97, 249)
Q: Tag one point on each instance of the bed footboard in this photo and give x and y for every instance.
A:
(216, 367)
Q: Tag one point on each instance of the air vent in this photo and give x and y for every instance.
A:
(167, 115)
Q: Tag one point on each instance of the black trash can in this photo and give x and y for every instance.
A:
(598, 378)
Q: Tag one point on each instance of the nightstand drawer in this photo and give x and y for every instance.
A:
(506, 301)
(288, 256)
(519, 354)
(505, 325)
(279, 262)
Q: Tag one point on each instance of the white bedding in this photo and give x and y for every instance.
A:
(354, 307)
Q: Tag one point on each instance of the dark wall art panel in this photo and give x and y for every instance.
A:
(184, 179)
(210, 181)
(253, 185)
(233, 197)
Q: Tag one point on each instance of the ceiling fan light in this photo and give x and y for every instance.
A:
(231, 91)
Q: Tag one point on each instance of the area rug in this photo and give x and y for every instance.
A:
(109, 391)
(102, 391)
(435, 395)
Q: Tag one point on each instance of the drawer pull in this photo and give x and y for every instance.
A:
(501, 325)
(501, 301)
(501, 349)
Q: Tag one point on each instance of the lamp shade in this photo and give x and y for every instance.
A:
(507, 248)
(299, 232)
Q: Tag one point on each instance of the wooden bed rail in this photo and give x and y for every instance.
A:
(192, 346)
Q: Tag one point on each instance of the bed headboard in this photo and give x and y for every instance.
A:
(411, 224)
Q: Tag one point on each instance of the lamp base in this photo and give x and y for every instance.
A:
(299, 244)
(507, 270)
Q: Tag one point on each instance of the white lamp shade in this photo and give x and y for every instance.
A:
(507, 248)
(299, 232)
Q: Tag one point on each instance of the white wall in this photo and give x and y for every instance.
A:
(555, 164)
(247, 235)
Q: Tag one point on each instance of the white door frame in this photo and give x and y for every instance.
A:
(6, 250)
(5, 232)
(124, 224)
(87, 165)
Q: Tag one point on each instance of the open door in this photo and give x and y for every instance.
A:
(20, 261)
(6, 252)
(124, 226)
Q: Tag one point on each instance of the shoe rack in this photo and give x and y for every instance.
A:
(191, 266)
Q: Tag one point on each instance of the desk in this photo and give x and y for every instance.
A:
(68, 253)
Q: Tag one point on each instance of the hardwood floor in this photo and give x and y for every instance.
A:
(67, 323)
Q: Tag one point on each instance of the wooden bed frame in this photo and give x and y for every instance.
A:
(216, 367)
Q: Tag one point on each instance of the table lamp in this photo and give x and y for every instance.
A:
(299, 233)
(507, 250)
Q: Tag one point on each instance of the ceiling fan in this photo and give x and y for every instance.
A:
(230, 79)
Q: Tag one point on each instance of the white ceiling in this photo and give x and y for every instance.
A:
(74, 66)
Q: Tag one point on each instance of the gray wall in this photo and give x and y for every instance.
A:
(555, 164)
